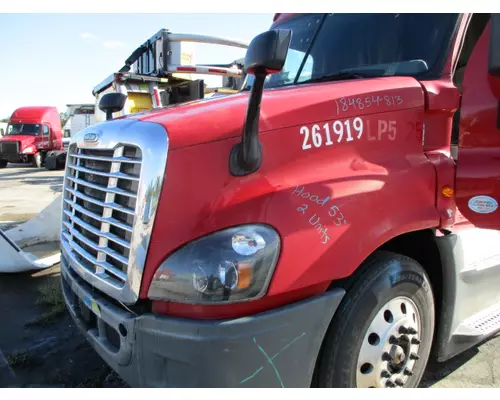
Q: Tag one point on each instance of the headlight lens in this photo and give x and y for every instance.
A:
(28, 149)
(229, 266)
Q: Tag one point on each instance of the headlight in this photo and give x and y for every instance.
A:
(229, 266)
(28, 149)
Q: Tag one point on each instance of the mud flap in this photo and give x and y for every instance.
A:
(43, 228)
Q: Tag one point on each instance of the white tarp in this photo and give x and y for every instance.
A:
(43, 228)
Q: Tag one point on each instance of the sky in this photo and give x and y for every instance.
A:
(57, 59)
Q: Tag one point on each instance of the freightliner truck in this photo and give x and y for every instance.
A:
(334, 224)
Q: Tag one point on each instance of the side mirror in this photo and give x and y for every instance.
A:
(494, 60)
(111, 103)
(267, 52)
(265, 55)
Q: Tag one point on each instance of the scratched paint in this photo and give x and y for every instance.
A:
(270, 360)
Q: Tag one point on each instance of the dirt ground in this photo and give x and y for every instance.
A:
(41, 347)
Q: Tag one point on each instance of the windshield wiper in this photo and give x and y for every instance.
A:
(339, 76)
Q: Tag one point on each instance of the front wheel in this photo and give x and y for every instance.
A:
(37, 160)
(3, 163)
(382, 334)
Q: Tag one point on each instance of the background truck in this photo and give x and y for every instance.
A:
(79, 116)
(32, 132)
(314, 230)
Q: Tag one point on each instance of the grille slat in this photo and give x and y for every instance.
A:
(99, 209)
(97, 248)
(110, 159)
(90, 214)
(90, 258)
(113, 190)
(97, 232)
(114, 206)
(118, 175)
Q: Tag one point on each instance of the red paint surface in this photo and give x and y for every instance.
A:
(37, 115)
(383, 187)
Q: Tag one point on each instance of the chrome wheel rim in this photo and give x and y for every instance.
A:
(391, 345)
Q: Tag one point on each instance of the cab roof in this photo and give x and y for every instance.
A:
(33, 113)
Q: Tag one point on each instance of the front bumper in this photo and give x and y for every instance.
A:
(274, 349)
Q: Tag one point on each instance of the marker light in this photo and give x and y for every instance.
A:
(447, 191)
(229, 266)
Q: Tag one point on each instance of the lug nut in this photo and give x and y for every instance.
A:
(386, 357)
(414, 356)
(407, 372)
(412, 331)
(403, 330)
(385, 374)
(415, 341)
(393, 340)
(389, 383)
(399, 382)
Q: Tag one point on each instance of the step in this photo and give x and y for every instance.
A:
(483, 323)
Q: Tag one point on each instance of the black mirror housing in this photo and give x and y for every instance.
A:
(494, 59)
(267, 52)
(111, 103)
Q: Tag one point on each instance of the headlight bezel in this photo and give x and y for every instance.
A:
(260, 266)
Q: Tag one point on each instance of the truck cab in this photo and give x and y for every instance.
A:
(30, 134)
(334, 224)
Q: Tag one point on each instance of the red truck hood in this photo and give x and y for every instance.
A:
(24, 139)
(220, 118)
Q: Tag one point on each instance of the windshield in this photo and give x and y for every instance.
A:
(325, 45)
(23, 129)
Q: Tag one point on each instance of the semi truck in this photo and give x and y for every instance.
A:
(32, 132)
(334, 224)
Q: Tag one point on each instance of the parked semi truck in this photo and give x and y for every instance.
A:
(334, 225)
(32, 132)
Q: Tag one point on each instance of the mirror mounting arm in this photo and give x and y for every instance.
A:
(266, 55)
(246, 156)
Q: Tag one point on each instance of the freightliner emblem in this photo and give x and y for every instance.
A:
(91, 137)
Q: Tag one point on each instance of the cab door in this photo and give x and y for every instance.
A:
(45, 142)
(478, 163)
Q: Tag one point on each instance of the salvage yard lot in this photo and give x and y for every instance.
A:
(40, 346)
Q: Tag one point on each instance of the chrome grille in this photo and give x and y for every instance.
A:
(112, 189)
(100, 199)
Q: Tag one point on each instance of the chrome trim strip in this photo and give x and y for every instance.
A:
(110, 159)
(96, 231)
(114, 206)
(118, 175)
(106, 220)
(96, 247)
(152, 140)
(91, 259)
(114, 190)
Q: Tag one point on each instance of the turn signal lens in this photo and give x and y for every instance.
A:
(447, 192)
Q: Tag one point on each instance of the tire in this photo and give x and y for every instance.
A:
(3, 163)
(37, 160)
(362, 347)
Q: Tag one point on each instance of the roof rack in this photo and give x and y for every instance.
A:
(161, 55)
